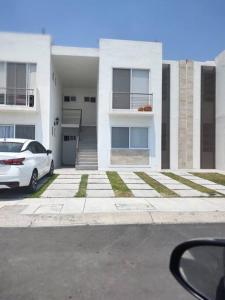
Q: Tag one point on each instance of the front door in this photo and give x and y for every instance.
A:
(69, 150)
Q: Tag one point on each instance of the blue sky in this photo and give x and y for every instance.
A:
(189, 29)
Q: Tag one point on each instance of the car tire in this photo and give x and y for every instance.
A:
(33, 182)
(52, 168)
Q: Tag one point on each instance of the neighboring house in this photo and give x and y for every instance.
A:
(118, 106)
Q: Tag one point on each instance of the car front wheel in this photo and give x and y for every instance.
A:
(51, 171)
(33, 182)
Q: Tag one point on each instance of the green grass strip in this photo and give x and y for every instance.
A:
(192, 184)
(160, 188)
(214, 177)
(41, 190)
(119, 187)
(82, 192)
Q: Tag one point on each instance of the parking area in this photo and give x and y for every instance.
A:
(99, 185)
(67, 183)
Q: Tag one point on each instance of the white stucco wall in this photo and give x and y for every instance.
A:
(55, 112)
(220, 111)
(88, 109)
(29, 48)
(137, 55)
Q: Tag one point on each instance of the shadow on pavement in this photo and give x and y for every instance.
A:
(18, 193)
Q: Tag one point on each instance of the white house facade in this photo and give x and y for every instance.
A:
(118, 106)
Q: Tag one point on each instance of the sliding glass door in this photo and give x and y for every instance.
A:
(130, 88)
(16, 84)
(121, 89)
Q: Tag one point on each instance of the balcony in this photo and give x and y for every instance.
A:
(17, 99)
(132, 104)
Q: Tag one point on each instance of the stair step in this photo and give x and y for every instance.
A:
(88, 145)
(87, 154)
(88, 150)
(87, 163)
(87, 168)
(93, 157)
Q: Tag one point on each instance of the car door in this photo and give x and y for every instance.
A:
(45, 165)
(36, 157)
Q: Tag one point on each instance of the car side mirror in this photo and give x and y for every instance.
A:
(199, 266)
(49, 152)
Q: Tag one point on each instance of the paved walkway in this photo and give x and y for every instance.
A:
(67, 185)
(206, 183)
(179, 188)
(97, 211)
(58, 206)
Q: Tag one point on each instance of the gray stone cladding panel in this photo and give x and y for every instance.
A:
(129, 157)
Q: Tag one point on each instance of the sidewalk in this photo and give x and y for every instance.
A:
(101, 211)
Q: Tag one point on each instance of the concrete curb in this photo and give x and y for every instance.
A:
(111, 219)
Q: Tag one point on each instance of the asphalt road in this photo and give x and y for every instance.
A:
(98, 262)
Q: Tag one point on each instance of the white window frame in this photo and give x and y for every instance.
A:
(131, 70)
(129, 147)
(28, 66)
(11, 125)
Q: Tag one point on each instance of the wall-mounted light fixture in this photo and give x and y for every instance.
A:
(56, 121)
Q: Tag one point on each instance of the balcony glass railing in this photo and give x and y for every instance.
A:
(132, 101)
(17, 96)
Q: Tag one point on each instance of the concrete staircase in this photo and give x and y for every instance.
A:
(87, 155)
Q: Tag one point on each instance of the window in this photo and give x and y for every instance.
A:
(40, 148)
(36, 148)
(10, 147)
(70, 98)
(89, 99)
(66, 98)
(17, 83)
(68, 138)
(139, 137)
(130, 138)
(2, 82)
(120, 137)
(17, 131)
(6, 131)
(130, 88)
(73, 98)
(25, 132)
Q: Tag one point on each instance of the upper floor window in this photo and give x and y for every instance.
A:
(17, 83)
(130, 88)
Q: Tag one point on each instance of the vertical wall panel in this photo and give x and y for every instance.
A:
(165, 116)
(185, 146)
(208, 83)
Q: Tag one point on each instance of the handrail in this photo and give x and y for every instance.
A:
(136, 99)
(78, 138)
(20, 96)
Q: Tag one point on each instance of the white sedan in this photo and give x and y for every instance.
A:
(23, 163)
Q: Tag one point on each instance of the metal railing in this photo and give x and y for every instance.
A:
(72, 116)
(17, 96)
(133, 101)
(78, 138)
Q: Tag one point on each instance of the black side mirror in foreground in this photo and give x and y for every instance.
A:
(199, 266)
(49, 152)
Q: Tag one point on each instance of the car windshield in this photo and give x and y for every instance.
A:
(10, 147)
